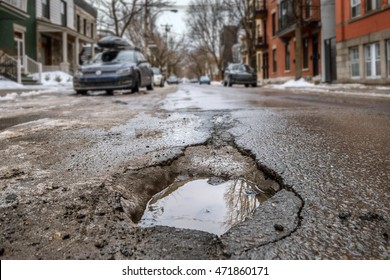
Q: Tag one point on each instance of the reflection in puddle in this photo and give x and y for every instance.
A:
(207, 204)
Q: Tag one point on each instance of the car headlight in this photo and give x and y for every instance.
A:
(78, 74)
(126, 71)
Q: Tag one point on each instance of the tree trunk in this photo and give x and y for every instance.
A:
(298, 39)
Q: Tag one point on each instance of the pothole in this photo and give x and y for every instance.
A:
(206, 189)
(210, 204)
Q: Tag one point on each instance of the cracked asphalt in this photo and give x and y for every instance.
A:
(77, 171)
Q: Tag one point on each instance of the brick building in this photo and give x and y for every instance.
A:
(275, 39)
(363, 41)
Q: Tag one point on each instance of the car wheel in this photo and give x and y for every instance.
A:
(254, 85)
(230, 82)
(135, 88)
(224, 83)
(246, 85)
(110, 92)
(162, 83)
(150, 87)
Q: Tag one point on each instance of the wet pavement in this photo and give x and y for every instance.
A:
(78, 172)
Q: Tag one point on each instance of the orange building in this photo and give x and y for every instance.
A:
(363, 41)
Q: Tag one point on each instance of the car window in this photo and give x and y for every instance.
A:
(118, 56)
(247, 68)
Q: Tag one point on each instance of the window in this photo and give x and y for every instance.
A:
(305, 43)
(84, 26)
(63, 13)
(373, 63)
(372, 5)
(46, 9)
(355, 8)
(92, 30)
(274, 24)
(307, 8)
(274, 58)
(388, 57)
(287, 56)
(78, 21)
(354, 56)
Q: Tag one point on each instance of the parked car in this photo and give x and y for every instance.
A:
(204, 80)
(173, 80)
(239, 73)
(121, 67)
(158, 77)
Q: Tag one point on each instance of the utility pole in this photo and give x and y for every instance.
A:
(167, 28)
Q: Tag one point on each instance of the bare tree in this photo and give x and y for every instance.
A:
(205, 21)
(242, 13)
(118, 16)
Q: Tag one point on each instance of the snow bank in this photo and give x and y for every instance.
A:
(55, 78)
(7, 84)
(301, 83)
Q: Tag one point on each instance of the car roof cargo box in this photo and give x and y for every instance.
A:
(114, 42)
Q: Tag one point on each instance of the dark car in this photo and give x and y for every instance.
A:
(118, 69)
(204, 80)
(173, 80)
(239, 73)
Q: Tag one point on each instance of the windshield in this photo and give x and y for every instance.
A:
(156, 71)
(118, 56)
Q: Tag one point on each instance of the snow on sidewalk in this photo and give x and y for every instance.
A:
(51, 82)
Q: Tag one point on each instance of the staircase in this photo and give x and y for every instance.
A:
(13, 69)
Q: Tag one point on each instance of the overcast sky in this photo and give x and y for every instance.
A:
(177, 20)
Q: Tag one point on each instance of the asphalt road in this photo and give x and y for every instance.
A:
(77, 171)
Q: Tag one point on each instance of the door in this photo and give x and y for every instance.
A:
(330, 60)
(316, 55)
(265, 66)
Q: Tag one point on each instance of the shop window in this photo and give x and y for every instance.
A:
(354, 57)
(355, 8)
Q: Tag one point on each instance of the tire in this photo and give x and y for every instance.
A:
(246, 85)
(230, 84)
(110, 92)
(162, 83)
(150, 87)
(254, 85)
(135, 88)
(224, 83)
(82, 92)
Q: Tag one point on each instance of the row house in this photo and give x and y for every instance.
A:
(63, 28)
(17, 29)
(363, 41)
(44, 34)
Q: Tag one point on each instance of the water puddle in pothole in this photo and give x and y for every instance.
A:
(212, 205)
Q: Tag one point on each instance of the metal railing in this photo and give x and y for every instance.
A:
(32, 67)
(10, 67)
(20, 4)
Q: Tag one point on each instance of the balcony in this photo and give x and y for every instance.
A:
(260, 9)
(311, 17)
(261, 43)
